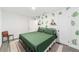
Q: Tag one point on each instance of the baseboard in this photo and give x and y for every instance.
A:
(58, 42)
(72, 46)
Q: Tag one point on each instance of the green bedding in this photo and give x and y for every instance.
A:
(37, 41)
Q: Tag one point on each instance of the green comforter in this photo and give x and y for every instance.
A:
(37, 41)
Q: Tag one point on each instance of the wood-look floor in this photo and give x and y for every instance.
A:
(15, 46)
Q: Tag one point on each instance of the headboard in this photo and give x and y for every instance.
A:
(51, 31)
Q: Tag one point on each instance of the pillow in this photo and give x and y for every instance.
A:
(40, 29)
(53, 31)
(50, 31)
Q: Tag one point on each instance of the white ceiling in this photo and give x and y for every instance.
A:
(28, 11)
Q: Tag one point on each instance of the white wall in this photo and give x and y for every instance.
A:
(33, 25)
(65, 32)
(0, 26)
(14, 23)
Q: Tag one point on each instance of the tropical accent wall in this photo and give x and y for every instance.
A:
(46, 20)
(51, 20)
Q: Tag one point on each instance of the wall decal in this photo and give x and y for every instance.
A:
(53, 14)
(39, 22)
(75, 14)
(46, 24)
(34, 18)
(74, 41)
(38, 16)
(46, 16)
(67, 8)
(77, 32)
(60, 13)
(72, 23)
(53, 23)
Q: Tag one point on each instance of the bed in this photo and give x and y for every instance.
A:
(38, 41)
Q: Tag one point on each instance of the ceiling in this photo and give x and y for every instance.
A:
(28, 11)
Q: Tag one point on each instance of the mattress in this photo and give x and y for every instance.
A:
(37, 41)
